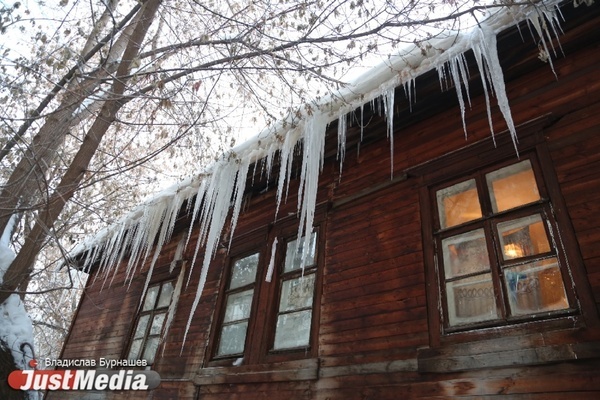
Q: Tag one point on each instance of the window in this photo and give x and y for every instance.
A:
(496, 253)
(150, 323)
(238, 303)
(267, 307)
(296, 299)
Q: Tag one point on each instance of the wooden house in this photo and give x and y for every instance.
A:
(452, 266)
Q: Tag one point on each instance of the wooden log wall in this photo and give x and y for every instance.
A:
(374, 341)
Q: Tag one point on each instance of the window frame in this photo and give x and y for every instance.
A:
(260, 335)
(286, 234)
(227, 292)
(151, 312)
(492, 154)
(488, 223)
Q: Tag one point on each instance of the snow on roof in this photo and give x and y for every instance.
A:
(144, 231)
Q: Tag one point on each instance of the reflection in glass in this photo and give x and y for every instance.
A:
(523, 237)
(294, 250)
(134, 351)
(150, 349)
(238, 306)
(150, 298)
(535, 287)
(297, 293)
(458, 204)
(293, 330)
(471, 300)
(244, 271)
(165, 295)
(233, 338)
(512, 186)
(233, 333)
(465, 254)
(140, 330)
(157, 323)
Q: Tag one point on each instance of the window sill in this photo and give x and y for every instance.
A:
(509, 351)
(301, 370)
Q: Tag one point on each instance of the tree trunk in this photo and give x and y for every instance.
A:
(23, 264)
(25, 188)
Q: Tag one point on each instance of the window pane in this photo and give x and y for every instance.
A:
(512, 186)
(157, 323)
(465, 254)
(150, 301)
(233, 338)
(238, 306)
(535, 287)
(471, 300)
(165, 295)
(293, 254)
(244, 271)
(140, 330)
(458, 204)
(150, 349)
(134, 351)
(293, 330)
(523, 237)
(297, 293)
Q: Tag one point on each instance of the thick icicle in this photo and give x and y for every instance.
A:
(215, 214)
(341, 133)
(486, 54)
(271, 268)
(388, 102)
(240, 187)
(174, 300)
(312, 164)
(285, 166)
(460, 77)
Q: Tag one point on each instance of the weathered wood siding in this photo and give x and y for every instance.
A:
(374, 339)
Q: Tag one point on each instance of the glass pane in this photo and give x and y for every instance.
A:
(512, 186)
(134, 351)
(157, 323)
(165, 295)
(140, 330)
(238, 306)
(465, 254)
(233, 338)
(293, 330)
(150, 301)
(294, 250)
(458, 204)
(535, 287)
(243, 271)
(471, 300)
(150, 349)
(523, 237)
(297, 293)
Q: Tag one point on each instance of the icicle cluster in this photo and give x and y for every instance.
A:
(217, 193)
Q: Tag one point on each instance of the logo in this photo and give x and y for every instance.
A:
(80, 379)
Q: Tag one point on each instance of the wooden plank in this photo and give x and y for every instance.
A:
(384, 303)
(275, 372)
(369, 368)
(396, 318)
